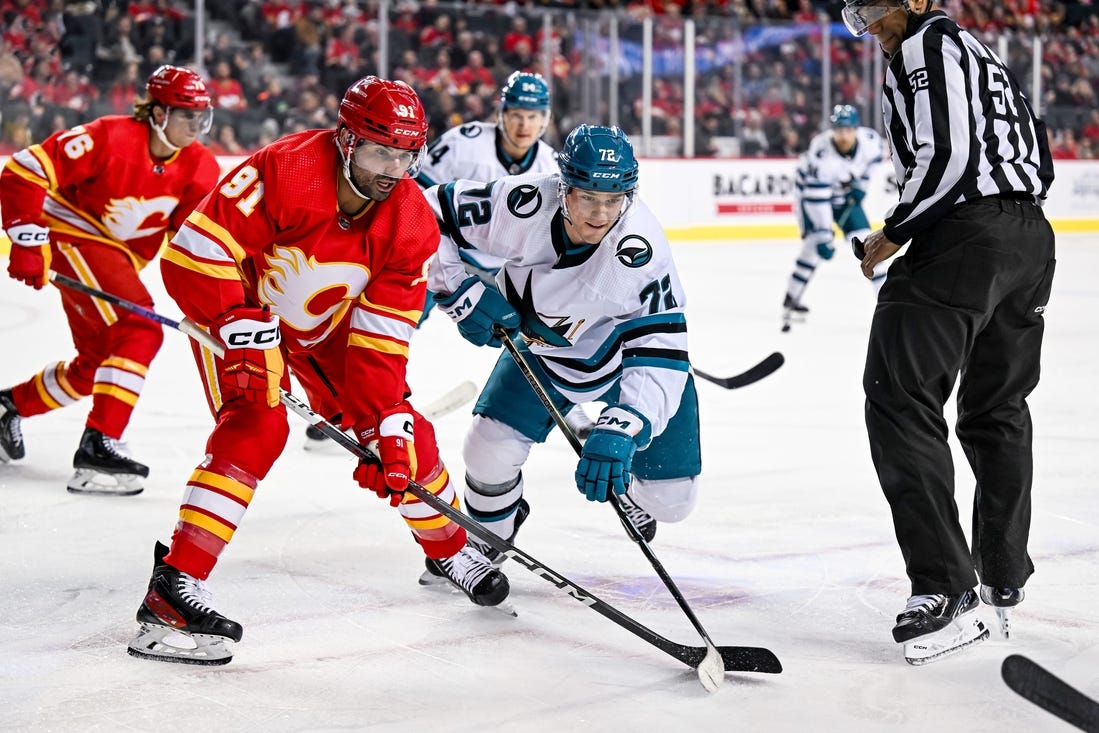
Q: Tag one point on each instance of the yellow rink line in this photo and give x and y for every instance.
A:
(756, 231)
(790, 231)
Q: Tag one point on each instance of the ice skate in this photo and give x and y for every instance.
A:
(103, 467)
(177, 622)
(494, 556)
(579, 422)
(1003, 600)
(792, 312)
(642, 520)
(935, 626)
(11, 433)
(471, 572)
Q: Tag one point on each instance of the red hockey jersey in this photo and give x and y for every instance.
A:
(97, 182)
(272, 234)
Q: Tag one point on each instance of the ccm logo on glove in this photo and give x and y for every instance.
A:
(29, 235)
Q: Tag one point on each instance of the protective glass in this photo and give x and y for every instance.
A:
(386, 161)
(859, 15)
(203, 117)
(592, 204)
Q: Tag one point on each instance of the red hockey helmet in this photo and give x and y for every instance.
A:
(177, 87)
(384, 112)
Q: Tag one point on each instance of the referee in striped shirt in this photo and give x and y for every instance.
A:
(973, 164)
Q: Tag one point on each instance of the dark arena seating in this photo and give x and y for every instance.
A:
(766, 70)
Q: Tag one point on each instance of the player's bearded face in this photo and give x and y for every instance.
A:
(376, 169)
(844, 138)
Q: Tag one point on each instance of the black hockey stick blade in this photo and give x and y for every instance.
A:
(858, 249)
(1050, 692)
(759, 371)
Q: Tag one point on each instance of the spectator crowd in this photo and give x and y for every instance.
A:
(279, 66)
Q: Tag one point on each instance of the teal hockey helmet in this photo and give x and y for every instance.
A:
(844, 115)
(597, 158)
(524, 90)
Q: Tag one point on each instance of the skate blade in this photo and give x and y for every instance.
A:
(1003, 615)
(165, 644)
(950, 639)
(90, 481)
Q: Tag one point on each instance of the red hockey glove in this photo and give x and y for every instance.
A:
(30, 254)
(391, 437)
(252, 366)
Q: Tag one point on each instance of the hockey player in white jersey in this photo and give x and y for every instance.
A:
(832, 178)
(588, 279)
(485, 151)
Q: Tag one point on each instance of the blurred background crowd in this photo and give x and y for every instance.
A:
(277, 66)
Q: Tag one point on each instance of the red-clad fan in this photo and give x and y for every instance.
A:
(95, 203)
(313, 252)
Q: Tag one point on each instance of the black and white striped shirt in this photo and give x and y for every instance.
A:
(959, 126)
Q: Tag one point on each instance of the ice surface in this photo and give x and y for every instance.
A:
(790, 547)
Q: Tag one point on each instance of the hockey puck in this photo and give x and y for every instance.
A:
(858, 248)
(785, 327)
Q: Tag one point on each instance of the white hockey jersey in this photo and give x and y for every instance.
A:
(824, 173)
(472, 151)
(593, 314)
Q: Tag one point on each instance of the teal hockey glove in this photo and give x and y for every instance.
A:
(478, 310)
(607, 457)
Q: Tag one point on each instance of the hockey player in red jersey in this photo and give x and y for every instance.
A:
(312, 255)
(95, 203)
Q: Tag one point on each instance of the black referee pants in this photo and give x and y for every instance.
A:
(967, 298)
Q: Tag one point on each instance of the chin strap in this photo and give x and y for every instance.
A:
(159, 130)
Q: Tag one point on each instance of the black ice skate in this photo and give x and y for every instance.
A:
(792, 312)
(1003, 600)
(642, 521)
(102, 467)
(471, 572)
(935, 626)
(495, 556)
(11, 433)
(177, 621)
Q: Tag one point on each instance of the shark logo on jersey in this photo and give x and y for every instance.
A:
(534, 323)
(307, 294)
(124, 217)
(524, 201)
(469, 130)
(634, 251)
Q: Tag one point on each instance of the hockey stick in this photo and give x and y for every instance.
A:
(1050, 692)
(710, 669)
(448, 402)
(735, 658)
(765, 368)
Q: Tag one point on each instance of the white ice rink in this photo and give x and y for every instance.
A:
(791, 547)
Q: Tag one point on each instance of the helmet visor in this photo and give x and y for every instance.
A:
(859, 15)
(386, 161)
(202, 118)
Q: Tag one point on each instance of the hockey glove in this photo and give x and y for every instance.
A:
(30, 254)
(252, 366)
(477, 310)
(825, 250)
(391, 438)
(855, 195)
(608, 452)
